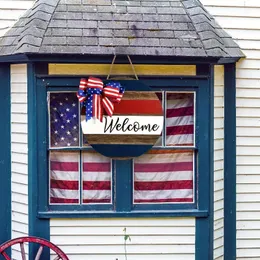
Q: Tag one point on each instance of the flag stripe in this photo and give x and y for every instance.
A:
(96, 167)
(179, 121)
(163, 200)
(61, 175)
(95, 201)
(163, 194)
(97, 195)
(64, 185)
(163, 176)
(63, 201)
(64, 166)
(180, 130)
(96, 185)
(64, 194)
(164, 167)
(97, 176)
(164, 185)
(179, 112)
(180, 140)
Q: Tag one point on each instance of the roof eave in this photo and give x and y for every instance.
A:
(102, 59)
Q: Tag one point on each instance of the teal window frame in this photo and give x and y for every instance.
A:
(123, 206)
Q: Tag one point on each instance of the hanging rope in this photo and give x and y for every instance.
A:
(130, 62)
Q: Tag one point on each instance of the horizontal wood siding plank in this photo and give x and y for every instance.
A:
(10, 11)
(237, 3)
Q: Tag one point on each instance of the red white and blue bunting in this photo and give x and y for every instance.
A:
(98, 97)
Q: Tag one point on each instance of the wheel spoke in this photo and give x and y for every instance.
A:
(6, 256)
(22, 243)
(39, 253)
(23, 251)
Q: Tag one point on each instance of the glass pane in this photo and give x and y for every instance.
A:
(97, 180)
(64, 177)
(64, 120)
(180, 119)
(164, 176)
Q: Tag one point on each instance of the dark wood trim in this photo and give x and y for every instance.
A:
(5, 154)
(230, 162)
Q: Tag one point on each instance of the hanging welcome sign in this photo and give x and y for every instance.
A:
(118, 121)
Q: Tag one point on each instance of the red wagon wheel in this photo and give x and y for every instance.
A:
(60, 255)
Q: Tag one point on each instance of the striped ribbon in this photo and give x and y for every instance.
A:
(96, 97)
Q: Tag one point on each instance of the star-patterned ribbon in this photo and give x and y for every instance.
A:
(96, 97)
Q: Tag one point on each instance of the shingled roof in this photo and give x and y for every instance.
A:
(135, 27)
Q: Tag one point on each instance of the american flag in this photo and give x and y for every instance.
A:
(96, 178)
(64, 177)
(160, 176)
(180, 119)
(65, 166)
(64, 120)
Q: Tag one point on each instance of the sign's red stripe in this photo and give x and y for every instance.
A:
(180, 130)
(96, 167)
(138, 107)
(64, 185)
(64, 166)
(96, 185)
(164, 185)
(65, 201)
(164, 200)
(164, 167)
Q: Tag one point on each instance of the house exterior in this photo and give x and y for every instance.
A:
(163, 236)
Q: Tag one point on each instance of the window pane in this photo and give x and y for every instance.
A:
(64, 177)
(180, 119)
(164, 176)
(97, 186)
(64, 120)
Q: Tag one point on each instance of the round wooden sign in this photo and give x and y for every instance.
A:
(134, 128)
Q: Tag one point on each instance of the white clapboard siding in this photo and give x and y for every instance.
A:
(218, 162)
(19, 153)
(10, 11)
(104, 238)
(241, 18)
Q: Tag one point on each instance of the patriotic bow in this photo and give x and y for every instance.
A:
(96, 97)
